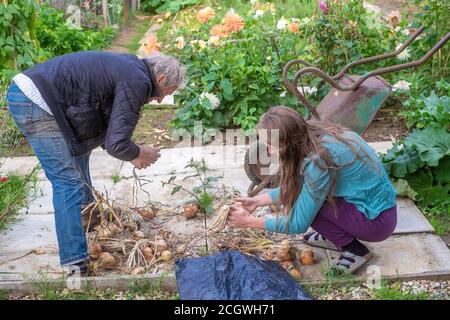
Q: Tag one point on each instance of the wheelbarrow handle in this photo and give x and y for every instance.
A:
(292, 85)
(380, 57)
(292, 88)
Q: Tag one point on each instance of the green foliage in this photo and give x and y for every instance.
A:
(420, 166)
(13, 195)
(393, 292)
(429, 110)
(245, 78)
(431, 143)
(346, 34)
(434, 15)
(200, 193)
(159, 6)
(57, 37)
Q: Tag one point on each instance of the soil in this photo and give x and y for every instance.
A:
(389, 5)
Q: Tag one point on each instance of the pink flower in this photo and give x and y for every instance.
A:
(323, 7)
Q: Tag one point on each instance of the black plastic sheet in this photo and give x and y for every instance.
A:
(231, 275)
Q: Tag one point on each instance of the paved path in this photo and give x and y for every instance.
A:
(414, 251)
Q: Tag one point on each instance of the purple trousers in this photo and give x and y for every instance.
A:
(347, 223)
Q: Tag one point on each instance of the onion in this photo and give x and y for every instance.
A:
(307, 252)
(132, 225)
(95, 250)
(160, 245)
(286, 254)
(307, 257)
(306, 260)
(295, 274)
(166, 256)
(190, 211)
(147, 214)
(148, 253)
(268, 255)
(287, 265)
(181, 249)
(138, 235)
(106, 260)
(138, 270)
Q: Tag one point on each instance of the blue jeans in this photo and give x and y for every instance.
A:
(69, 176)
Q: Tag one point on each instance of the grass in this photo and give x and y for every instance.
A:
(393, 292)
(116, 178)
(13, 195)
(439, 217)
(139, 288)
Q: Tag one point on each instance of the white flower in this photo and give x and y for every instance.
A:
(404, 55)
(308, 90)
(401, 85)
(213, 100)
(180, 42)
(214, 40)
(253, 2)
(305, 20)
(397, 29)
(258, 14)
(282, 23)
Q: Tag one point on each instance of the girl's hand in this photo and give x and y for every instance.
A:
(239, 217)
(249, 204)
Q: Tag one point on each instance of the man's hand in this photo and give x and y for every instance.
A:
(241, 218)
(147, 156)
(249, 204)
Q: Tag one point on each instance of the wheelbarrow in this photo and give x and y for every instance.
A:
(353, 102)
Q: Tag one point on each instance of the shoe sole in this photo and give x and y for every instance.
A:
(368, 257)
(320, 246)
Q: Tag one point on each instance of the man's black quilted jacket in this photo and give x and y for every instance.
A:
(96, 98)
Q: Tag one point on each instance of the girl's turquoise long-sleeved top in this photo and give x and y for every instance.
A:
(362, 183)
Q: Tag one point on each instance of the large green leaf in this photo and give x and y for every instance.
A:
(442, 171)
(400, 162)
(428, 193)
(431, 143)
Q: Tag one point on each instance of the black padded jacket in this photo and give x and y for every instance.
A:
(96, 98)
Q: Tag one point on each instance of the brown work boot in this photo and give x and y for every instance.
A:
(90, 216)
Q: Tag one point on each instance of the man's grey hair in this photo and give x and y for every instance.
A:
(173, 71)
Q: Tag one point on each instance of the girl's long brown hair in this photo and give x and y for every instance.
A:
(299, 139)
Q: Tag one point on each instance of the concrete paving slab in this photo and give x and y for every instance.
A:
(21, 165)
(29, 232)
(176, 159)
(405, 256)
(410, 219)
(30, 267)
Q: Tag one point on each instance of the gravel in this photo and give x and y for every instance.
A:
(439, 290)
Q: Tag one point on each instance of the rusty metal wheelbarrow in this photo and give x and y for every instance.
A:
(353, 102)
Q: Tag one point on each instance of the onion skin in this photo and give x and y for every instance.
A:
(148, 253)
(106, 260)
(166, 256)
(306, 260)
(307, 257)
(286, 254)
(138, 235)
(95, 250)
(295, 274)
(138, 270)
(190, 211)
(147, 214)
(181, 249)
